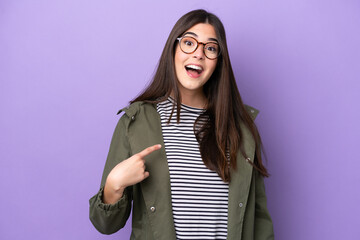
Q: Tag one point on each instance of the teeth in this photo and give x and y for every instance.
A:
(194, 67)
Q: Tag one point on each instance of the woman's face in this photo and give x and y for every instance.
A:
(194, 70)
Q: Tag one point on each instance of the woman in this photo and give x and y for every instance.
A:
(186, 153)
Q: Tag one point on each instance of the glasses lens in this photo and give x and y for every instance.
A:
(188, 44)
(212, 50)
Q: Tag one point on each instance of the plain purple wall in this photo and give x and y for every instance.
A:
(66, 67)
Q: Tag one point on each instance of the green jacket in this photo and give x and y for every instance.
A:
(139, 128)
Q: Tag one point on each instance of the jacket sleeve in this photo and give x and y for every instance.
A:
(263, 223)
(109, 218)
(263, 226)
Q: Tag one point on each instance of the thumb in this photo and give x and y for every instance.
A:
(146, 174)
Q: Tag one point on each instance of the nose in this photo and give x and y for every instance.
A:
(199, 53)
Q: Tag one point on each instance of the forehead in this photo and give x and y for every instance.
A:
(203, 31)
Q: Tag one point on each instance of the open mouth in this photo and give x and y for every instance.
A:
(194, 70)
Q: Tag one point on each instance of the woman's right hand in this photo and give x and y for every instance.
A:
(126, 173)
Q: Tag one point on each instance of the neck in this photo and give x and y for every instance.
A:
(196, 100)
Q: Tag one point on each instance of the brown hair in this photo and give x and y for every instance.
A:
(222, 134)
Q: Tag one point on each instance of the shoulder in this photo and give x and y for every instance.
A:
(136, 107)
(253, 112)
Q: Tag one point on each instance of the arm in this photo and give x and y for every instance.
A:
(263, 224)
(109, 218)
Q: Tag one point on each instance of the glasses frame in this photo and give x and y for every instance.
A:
(198, 43)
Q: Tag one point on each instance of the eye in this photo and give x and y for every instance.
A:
(188, 42)
(212, 48)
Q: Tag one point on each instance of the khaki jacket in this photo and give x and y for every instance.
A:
(139, 128)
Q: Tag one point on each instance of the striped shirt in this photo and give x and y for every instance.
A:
(199, 196)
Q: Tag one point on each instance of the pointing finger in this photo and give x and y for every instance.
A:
(149, 150)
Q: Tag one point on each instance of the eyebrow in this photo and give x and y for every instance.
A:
(195, 35)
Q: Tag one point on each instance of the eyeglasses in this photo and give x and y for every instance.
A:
(189, 45)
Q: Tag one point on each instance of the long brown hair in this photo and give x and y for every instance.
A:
(221, 135)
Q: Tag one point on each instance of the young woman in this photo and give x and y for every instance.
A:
(186, 154)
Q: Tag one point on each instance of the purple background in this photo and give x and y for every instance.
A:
(66, 67)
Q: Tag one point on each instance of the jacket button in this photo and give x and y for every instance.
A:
(241, 204)
(152, 209)
(133, 118)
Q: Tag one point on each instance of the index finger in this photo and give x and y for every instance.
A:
(149, 150)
